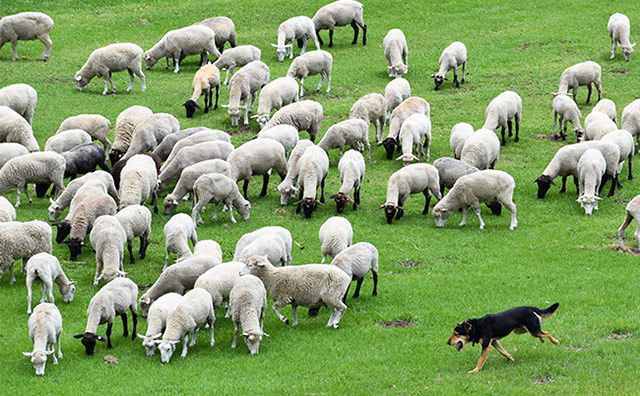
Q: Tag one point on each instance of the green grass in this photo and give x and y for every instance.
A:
(433, 277)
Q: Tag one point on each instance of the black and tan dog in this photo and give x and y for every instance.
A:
(490, 328)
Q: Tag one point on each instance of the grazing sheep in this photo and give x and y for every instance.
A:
(179, 43)
(568, 111)
(353, 131)
(356, 261)
(273, 246)
(112, 58)
(157, 320)
(139, 182)
(412, 179)
(113, 299)
(452, 57)
(22, 98)
(608, 107)
(396, 92)
(243, 87)
(126, 123)
(218, 282)
(168, 143)
(224, 29)
(410, 106)
(584, 73)
(207, 77)
(597, 125)
(340, 13)
(371, 108)
(177, 232)
(305, 115)
(66, 140)
(45, 327)
(150, 133)
(313, 168)
(630, 120)
(288, 186)
(136, 221)
(22, 241)
(11, 150)
(310, 64)
(459, 134)
(14, 128)
(248, 239)
(59, 205)
(46, 268)
(336, 234)
(248, 300)
(501, 110)
(191, 313)
(300, 28)
(26, 26)
(624, 141)
(94, 124)
(631, 212)
(237, 57)
(481, 149)
(7, 211)
(84, 215)
(210, 248)
(276, 94)
(450, 170)
(351, 168)
(413, 130)
(591, 168)
(218, 188)
(257, 157)
(619, 28)
(206, 135)
(286, 135)
(83, 159)
(470, 190)
(108, 238)
(310, 285)
(396, 53)
(45, 167)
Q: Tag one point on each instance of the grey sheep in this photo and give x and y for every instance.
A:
(94, 124)
(164, 148)
(353, 131)
(46, 167)
(22, 241)
(356, 261)
(151, 132)
(257, 157)
(26, 26)
(310, 64)
(112, 58)
(218, 188)
(305, 115)
(236, 57)
(224, 29)
(371, 108)
(67, 140)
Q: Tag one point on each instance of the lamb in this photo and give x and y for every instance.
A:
(608, 107)
(26, 26)
(151, 132)
(168, 143)
(108, 238)
(501, 110)
(567, 110)
(591, 168)
(630, 120)
(351, 168)
(59, 205)
(288, 186)
(243, 87)
(619, 28)
(94, 124)
(286, 135)
(205, 135)
(224, 29)
(113, 299)
(452, 57)
(157, 320)
(411, 179)
(179, 43)
(22, 98)
(218, 188)
(218, 282)
(189, 176)
(11, 150)
(276, 248)
(210, 248)
(45, 327)
(310, 285)
(584, 73)
(177, 278)
(237, 57)
(177, 231)
(305, 115)
(356, 261)
(7, 211)
(310, 64)
(136, 221)
(14, 128)
(396, 53)
(336, 234)
(313, 168)
(139, 182)
(278, 93)
(371, 108)
(84, 215)
(67, 140)
(412, 105)
(191, 313)
(248, 300)
(413, 130)
(396, 92)
(624, 141)
(207, 77)
(481, 149)
(22, 241)
(459, 134)
(46, 268)
(257, 157)
(126, 123)
(112, 58)
(597, 125)
(36, 167)
(353, 131)
(248, 238)
(300, 28)
(631, 213)
(340, 13)
(470, 190)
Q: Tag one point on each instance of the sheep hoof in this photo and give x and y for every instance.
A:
(286, 320)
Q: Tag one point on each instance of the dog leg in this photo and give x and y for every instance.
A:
(545, 334)
(483, 358)
(500, 349)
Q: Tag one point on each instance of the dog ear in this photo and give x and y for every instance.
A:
(467, 326)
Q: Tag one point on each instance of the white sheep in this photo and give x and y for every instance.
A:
(218, 282)
(335, 234)
(7, 211)
(22, 241)
(257, 157)
(413, 131)
(210, 248)
(45, 327)
(218, 188)
(353, 131)
(276, 94)
(608, 107)
(94, 124)
(356, 261)
(164, 149)
(632, 212)
(286, 135)
(470, 190)
(224, 29)
(248, 300)
(567, 110)
(136, 221)
(157, 320)
(412, 179)
(310, 285)
(45, 268)
(151, 132)
(84, 215)
(310, 64)
(450, 170)
(177, 232)
(39, 167)
(452, 57)
(207, 77)
(584, 73)
(138, 182)
(14, 128)
(410, 106)
(351, 168)
(340, 13)
(22, 98)
(396, 92)
(630, 120)
(305, 115)
(371, 108)
(288, 186)
(501, 110)
(243, 88)
(313, 168)
(26, 26)
(273, 246)
(113, 299)
(237, 57)
(396, 53)
(597, 125)
(62, 202)
(66, 140)
(206, 135)
(624, 141)
(11, 150)
(300, 28)
(179, 43)
(250, 237)
(112, 58)
(619, 28)
(481, 149)
(108, 238)
(459, 134)
(126, 123)
(591, 168)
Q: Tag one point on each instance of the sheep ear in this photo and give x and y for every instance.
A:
(101, 338)
(51, 200)
(145, 300)
(334, 196)
(78, 77)
(174, 202)
(72, 283)
(633, 45)
(141, 336)
(157, 336)
(445, 79)
(245, 334)
(291, 45)
(27, 353)
(349, 199)
(50, 352)
(433, 76)
(244, 107)
(319, 203)
(274, 45)
(598, 198)
(380, 207)
(78, 335)
(265, 334)
(255, 116)
(197, 106)
(225, 106)
(297, 202)
(553, 184)
(399, 158)
(157, 341)
(122, 273)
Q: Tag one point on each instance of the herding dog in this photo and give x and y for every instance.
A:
(490, 328)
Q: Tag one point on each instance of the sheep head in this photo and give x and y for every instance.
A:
(589, 203)
(392, 211)
(191, 107)
(64, 229)
(438, 79)
(440, 214)
(80, 81)
(39, 360)
(627, 50)
(149, 60)
(544, 183)
(341, 201)
(89, 341)
(389, 145)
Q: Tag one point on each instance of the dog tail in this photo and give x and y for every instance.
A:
(545, 313)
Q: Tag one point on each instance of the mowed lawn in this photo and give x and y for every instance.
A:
(430, 279)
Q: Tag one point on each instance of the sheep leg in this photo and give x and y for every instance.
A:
(613, 47)
(109, 327)
(265, 183)
(319, 39)
(125, 329)
(14, 46)
(630, 159)
(330, 37)
(176, 60)
(246, 109)
(564, 184)
(354, 25)
(168, 64)
(215, 211)
(59, 349)
(302, 87)
(245, 185)
(511, 207)
(329, 81)
(134, 318)
(44, 39)
(300, 192)
(464, 69)
(356, 294)
(47, 287)
(356, 198)
(235, 336)
(464, 217)
(185, 340)
(106, 82)
(476, 209)
(614, 182)
(455, 77)
(627, 220)
(517, 139)
(555, 121)
(322, 189)
(113, 87)
(132, 77)
(599, 88)
(233, 220)
(215, 107)
(207, 101)
(304, 46)
(166, 261)
(226, 80)
(211, 321)
(144, 243)
(294, 314)
(193, 337)
(13, 277)
(504, 142)
(575, 94)
(30, 284)
(322, 75)
(280, 316)
(427, 201)
(588, 92)
(375, 282)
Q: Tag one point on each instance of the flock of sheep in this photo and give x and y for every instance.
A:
(150, 152)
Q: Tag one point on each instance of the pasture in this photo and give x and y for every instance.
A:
(430, 279)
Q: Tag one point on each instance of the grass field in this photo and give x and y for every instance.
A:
(430, 278)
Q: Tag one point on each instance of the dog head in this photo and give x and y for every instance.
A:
(461, 335)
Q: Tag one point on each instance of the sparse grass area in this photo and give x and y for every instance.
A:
(430, 279)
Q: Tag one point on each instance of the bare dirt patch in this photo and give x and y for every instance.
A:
(110, 359)
(620, 336)
(625, 249)
(399, 323)
(407, 263)
(618, 71)
(543, 380)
